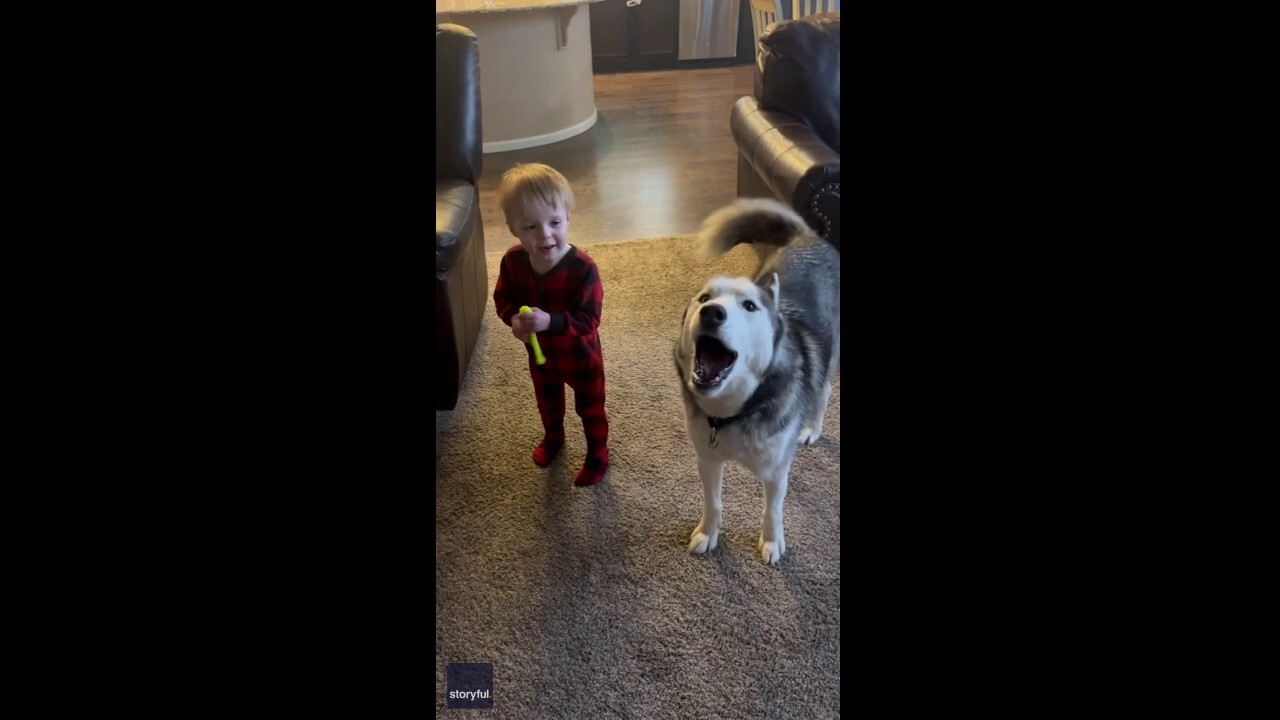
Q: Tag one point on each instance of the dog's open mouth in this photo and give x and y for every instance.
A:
(712, 362)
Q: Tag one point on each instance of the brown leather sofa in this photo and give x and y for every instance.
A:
(788, 134)
(462, 281)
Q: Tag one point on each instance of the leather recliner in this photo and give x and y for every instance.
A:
(462, 280)
(788, 134)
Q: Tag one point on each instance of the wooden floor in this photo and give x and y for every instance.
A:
(658, 160)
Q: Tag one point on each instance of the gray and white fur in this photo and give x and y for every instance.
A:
(756, 358)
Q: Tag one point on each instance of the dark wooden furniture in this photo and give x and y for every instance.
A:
(643, 37)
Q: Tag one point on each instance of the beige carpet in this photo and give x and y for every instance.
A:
(584, 599)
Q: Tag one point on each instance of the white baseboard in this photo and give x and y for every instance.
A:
(536, 140)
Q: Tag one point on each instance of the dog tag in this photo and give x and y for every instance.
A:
(713, 442)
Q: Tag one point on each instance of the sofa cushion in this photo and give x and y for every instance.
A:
(799, 73)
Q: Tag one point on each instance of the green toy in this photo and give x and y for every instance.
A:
(533, 339)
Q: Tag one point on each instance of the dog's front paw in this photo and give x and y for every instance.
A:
(703, 540)
(771, 552)
(809, 436)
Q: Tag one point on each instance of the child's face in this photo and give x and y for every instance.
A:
(543, 231)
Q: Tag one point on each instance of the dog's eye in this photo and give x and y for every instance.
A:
(750, 306)
(704, 297)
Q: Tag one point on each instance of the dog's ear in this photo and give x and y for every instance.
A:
(772, 285)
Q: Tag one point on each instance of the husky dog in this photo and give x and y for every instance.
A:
(756, 359)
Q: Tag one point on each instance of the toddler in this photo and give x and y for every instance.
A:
(562, 286)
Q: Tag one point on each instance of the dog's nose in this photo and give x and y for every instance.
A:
(712, 315)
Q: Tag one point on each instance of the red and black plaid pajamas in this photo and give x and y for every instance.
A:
(572, 295)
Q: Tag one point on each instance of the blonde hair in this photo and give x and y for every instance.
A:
(526, 185)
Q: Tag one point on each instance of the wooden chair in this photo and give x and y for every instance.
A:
(800, 8)
(764, 12)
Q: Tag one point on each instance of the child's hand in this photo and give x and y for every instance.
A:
(521, 335)
(534, 322)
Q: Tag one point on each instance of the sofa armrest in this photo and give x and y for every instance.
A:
(797, 167)
(461, 285)
(456, 216)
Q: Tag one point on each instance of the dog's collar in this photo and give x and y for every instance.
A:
(753, 405)
(717, 423)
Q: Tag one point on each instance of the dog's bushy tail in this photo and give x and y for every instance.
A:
(755, 220)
